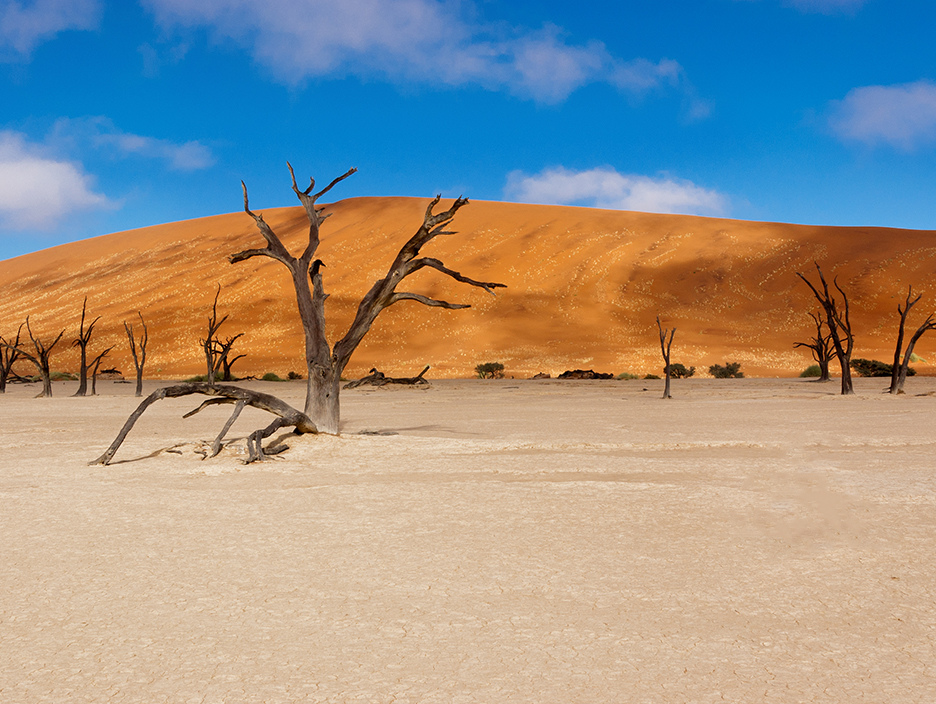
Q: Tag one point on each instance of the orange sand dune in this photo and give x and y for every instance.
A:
(584, 288)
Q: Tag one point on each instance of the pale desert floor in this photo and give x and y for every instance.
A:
(515, 541)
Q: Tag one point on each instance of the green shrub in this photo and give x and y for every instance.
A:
(811, 371)
(874, 367)
(270, 376)
(196, 378)
(626, 377)
(731, 370)
(292, 376)
(63, 376)
(679, 371)
(490, 370)
(651, 376)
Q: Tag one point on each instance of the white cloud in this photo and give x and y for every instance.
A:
(606, 188)
(36, 191)
(100, 132)
(24, 24)
(903, 116)
(419, 40)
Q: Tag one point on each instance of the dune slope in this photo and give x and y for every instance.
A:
(584, 288)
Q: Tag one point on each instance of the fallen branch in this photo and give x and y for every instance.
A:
(376, 378)
(288, 416)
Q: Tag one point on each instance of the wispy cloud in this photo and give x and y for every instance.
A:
(100, 133)
(903, 116)
(24, 24)
(827, 7)
(38, 192)
(414, 40)
(607, 188)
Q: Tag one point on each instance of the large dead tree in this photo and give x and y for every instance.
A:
(821, 347)
(665, 346)
(10, 352)
(324, 362)
(839, 324)
(81, 342)
(138, 351)
(899, 368)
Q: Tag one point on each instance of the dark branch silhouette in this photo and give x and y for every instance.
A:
(839, 324)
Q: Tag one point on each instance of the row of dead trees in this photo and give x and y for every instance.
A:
(38, 350)
(833, 337)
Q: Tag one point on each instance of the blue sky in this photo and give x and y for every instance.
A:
(117, 114)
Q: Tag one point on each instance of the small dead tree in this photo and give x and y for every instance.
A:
(324, 363)
(10, 352)
(138, 350)
(81, 342)
(224, 356)
(94, 364)
(821, 347)
(839, 324)
(217, 353)
(665, 346)
(899, 368)
(43, 351)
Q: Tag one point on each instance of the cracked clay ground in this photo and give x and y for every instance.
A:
(514, 541)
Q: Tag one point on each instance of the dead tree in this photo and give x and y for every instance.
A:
(94, 364)
(839, 324)
(139, 358)
(209, 344)
(821, 347)
(81, 342)
(9, 354)
(43, 351)
(223, 350)
(324, 363)
(899, 368)
(287, 416)
(665, 346)
(378, 379)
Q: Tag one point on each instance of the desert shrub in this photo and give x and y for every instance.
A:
(626, 376)
(811, 371)
(490, 370)
(196, 378)
(63, 376)
(874, 367)
(651, 376)
(679, 371)
(292, 376)
(270, 376)
(731, 370)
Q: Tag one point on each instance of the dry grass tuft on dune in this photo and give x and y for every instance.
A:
(584, 289)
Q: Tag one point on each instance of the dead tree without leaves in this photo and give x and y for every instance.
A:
(821, 347)
(10, 352)
(81, 342)
(839, 324)
(217, 353)
(899, 368)
(94, 364)
(43, 353)
(138, 350)
(665, 346)
(324, 362)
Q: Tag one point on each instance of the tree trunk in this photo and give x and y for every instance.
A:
(322, 404)
(824, 370)
(83, 373)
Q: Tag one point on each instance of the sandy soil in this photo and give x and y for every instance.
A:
(750, 540)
